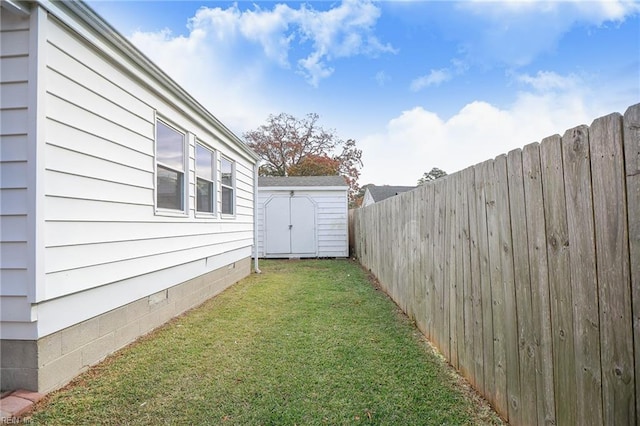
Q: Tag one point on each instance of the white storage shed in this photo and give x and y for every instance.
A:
(302, 216)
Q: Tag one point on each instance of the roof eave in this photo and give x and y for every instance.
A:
(84, 12)
(18, 7)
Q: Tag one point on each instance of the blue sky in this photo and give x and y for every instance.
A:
(418, 84)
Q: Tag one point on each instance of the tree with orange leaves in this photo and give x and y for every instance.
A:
(292, 146)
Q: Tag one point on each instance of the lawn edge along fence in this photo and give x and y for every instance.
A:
(524, 271)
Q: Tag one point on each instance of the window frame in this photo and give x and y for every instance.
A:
(232, 188)
(184, 198)
(214, 170)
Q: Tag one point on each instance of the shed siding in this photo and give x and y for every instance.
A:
(332, 218)
(14, 178)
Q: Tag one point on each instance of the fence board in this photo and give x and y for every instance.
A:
(422, 281)
(438, 249)
(559, 278)
(430, 269)
(404, 260)
(584, 288)
(612, 251)
(452, 280)
(538, 270)
(396, 244)
(497, 291)
(410, 249)
(476, 285)
(416, 241)
(466, 305)
(510, 320)
(632, 159)
(485, 277)
(459, 267)
(522, 282)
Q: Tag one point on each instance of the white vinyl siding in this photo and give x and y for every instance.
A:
(103, 243)
(15, 269)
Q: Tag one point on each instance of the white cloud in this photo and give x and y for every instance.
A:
(434, 78)
(346, 30)
(382, 78)
(593, 12)
(516, 32)
(545, 81)
(439, 76)
(224, 58)
(342, 31)
(418, 140)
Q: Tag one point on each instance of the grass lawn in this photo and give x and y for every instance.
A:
(305, 342)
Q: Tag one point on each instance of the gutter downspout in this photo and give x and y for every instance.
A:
(255, 217)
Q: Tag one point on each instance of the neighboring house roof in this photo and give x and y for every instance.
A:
(379, 193)
(287, 181)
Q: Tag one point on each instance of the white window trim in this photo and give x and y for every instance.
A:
(214, 165)
(160, 211)
(233, 188)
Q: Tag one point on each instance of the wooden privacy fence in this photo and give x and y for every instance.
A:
(525, 272)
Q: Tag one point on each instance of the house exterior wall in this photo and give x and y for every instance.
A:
(100, 221)
(332, 217)
(15, 165)
(80, 229)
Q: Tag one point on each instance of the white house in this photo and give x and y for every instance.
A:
(374, 194)
(302, 216)
(123, 202)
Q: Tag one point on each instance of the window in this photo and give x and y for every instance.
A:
(227, 183)
(169, 167)
(204, 179)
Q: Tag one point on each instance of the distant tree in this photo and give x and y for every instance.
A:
(315, 165)
(432, 175)
(292, 146)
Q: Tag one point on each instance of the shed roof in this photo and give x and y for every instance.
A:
(288, 181)
(380, 193)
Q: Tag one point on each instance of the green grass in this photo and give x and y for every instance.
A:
(306, 342)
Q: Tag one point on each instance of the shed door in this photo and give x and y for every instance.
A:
(303, 225)
(277, 223)
(290, 227)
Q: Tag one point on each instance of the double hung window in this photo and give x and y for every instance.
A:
(170, 168)
(205, 172)
(171, 176)
(228, 186)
